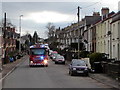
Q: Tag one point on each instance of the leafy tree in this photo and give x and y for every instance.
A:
(30, 38)
(35, 37)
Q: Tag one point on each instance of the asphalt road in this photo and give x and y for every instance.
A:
(53, 76)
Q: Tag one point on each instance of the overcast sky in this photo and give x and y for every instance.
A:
(36, 14)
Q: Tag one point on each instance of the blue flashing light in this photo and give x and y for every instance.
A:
(41, 57)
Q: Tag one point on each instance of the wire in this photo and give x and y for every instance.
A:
(91, 5)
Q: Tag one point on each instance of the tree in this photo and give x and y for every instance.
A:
(35, 38)
(30, 38)
(50, 28)
(8, 23)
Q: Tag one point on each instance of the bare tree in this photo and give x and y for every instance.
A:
(51, 28)
(8, 23)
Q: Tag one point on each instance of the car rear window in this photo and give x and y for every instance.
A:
(60, 57)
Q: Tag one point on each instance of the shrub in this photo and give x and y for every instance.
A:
(84, 54)
(95, 57)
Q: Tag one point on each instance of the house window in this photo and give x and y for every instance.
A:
(113, 31)
(108, 47)
(118, 51)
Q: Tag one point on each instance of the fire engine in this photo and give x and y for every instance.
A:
(38, 55)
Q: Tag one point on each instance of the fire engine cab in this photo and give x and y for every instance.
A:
(38, 55)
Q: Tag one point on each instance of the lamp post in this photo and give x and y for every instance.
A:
(20, 32)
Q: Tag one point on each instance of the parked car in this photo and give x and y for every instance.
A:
(78, 66)
(53, 55)
(59, 59)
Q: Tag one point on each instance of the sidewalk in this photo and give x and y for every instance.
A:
(103, 78)
(8, 68)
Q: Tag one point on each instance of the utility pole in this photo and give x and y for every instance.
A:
(4, 20)
(78, 32)
(4, 45)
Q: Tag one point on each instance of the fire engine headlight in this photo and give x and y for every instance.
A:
(31, 62)
(45, 61)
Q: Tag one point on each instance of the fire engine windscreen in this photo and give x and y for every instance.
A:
(37, 51)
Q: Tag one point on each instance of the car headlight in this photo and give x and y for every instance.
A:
(74, 68)
(54, 57)
(86, 69)
(45, 61)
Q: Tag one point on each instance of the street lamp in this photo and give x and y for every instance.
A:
(20, 32)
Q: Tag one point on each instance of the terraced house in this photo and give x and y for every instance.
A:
(1, 46)
(103, 32)
(107, 34)
(97, 34)
(115, 36)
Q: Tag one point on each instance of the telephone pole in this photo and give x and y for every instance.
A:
(78, 32)
(78, 14)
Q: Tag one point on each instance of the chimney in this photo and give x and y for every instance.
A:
(96, 14)
(104, 11)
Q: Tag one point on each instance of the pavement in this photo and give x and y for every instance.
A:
(8, 68)
(103, 78)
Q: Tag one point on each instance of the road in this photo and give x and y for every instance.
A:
(53, 76)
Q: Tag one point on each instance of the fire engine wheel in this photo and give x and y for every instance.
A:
(46, 65)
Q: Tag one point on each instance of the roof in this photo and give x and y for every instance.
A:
(116, 17)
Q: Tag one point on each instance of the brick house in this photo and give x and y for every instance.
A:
(10, 38)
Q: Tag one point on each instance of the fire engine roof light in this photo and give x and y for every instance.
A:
(42, 46)
(32, 46)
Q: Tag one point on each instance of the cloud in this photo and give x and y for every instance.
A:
(48, 0)
(112, 4)
(49, 16)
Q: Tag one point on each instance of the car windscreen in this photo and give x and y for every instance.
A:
(37, 51)
(54, 54)
(78, 63)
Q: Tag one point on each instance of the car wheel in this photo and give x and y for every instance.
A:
(86, 74)
(46, 65)
(30, 65)
(64, 63)
(55, 62)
